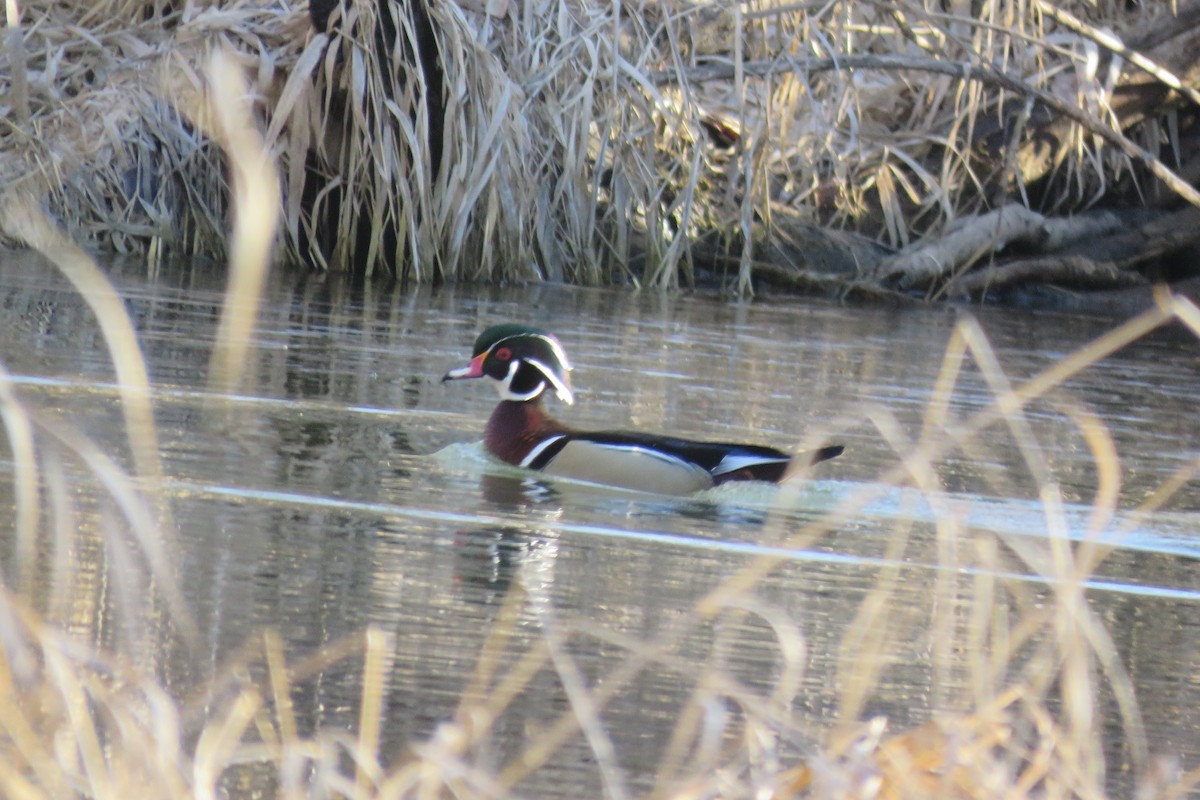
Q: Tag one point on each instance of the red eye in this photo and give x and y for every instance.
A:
(504, 354)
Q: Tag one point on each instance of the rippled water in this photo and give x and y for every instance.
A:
(346, 486)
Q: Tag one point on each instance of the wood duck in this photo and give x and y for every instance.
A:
(527, 362)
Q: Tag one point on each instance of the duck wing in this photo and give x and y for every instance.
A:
(662, 464)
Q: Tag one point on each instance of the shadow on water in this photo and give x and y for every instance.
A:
(345, 487)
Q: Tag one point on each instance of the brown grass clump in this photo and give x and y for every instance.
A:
(582, 142)
(76, 719)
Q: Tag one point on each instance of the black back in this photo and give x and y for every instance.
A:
(706, 455)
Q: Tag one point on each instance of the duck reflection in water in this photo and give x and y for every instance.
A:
(488, 557)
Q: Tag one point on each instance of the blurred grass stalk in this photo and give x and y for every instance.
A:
(587, 142)
(75, 720)
(72, 717)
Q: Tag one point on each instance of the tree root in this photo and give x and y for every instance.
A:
(1012, 247)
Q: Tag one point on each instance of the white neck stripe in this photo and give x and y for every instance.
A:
(564, 393)
(537, 450)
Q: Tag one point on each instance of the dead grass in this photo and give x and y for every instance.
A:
(74, 719)
(580, 142)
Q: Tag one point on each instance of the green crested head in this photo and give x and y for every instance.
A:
(505, 330)
(524, 360)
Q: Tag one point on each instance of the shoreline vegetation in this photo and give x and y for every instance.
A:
(1037, 152)
(1044, 707)
(1050, 710)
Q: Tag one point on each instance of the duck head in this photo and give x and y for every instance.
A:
(524, 362)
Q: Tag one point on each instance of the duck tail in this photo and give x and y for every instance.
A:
(824, 454)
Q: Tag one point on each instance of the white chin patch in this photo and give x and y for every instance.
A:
(561, 389)
(505, 386)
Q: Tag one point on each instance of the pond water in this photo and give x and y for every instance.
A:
(345, 486)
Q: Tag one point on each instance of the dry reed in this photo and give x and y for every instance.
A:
(74, 720)
(1030, 727)
(569, 141)
(74, 717)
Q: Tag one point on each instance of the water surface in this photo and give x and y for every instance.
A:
(344, 486)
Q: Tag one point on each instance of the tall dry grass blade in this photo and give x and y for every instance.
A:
(580, 698)
(231, 678)
(1103, 508)
(14, 52)
(1181, 477)
(24, 219)
(65, 527)
(1180, 307)
(281, 695)
(229, 116)
(218, 742)
(1079, 635)
(539, 750)
(376, 668)
(84, 735)
(1012, 411)
(514, 682)
(987, 630)
(140, 516)
(790, 643)
(20, 723)
(153, 525)
(937, 411)
(1100, 348)
(480, 688)
(481, 704)
(19, 428)
(688, 726)
(863, 651)
(931, 448)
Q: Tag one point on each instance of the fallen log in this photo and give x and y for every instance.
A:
(927, 262)
(1075, 271)
(1128, 247)
(1097, 251)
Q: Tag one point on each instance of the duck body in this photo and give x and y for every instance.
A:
(528, 362)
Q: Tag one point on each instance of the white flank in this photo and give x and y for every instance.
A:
(732, 463)
(627, 466)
